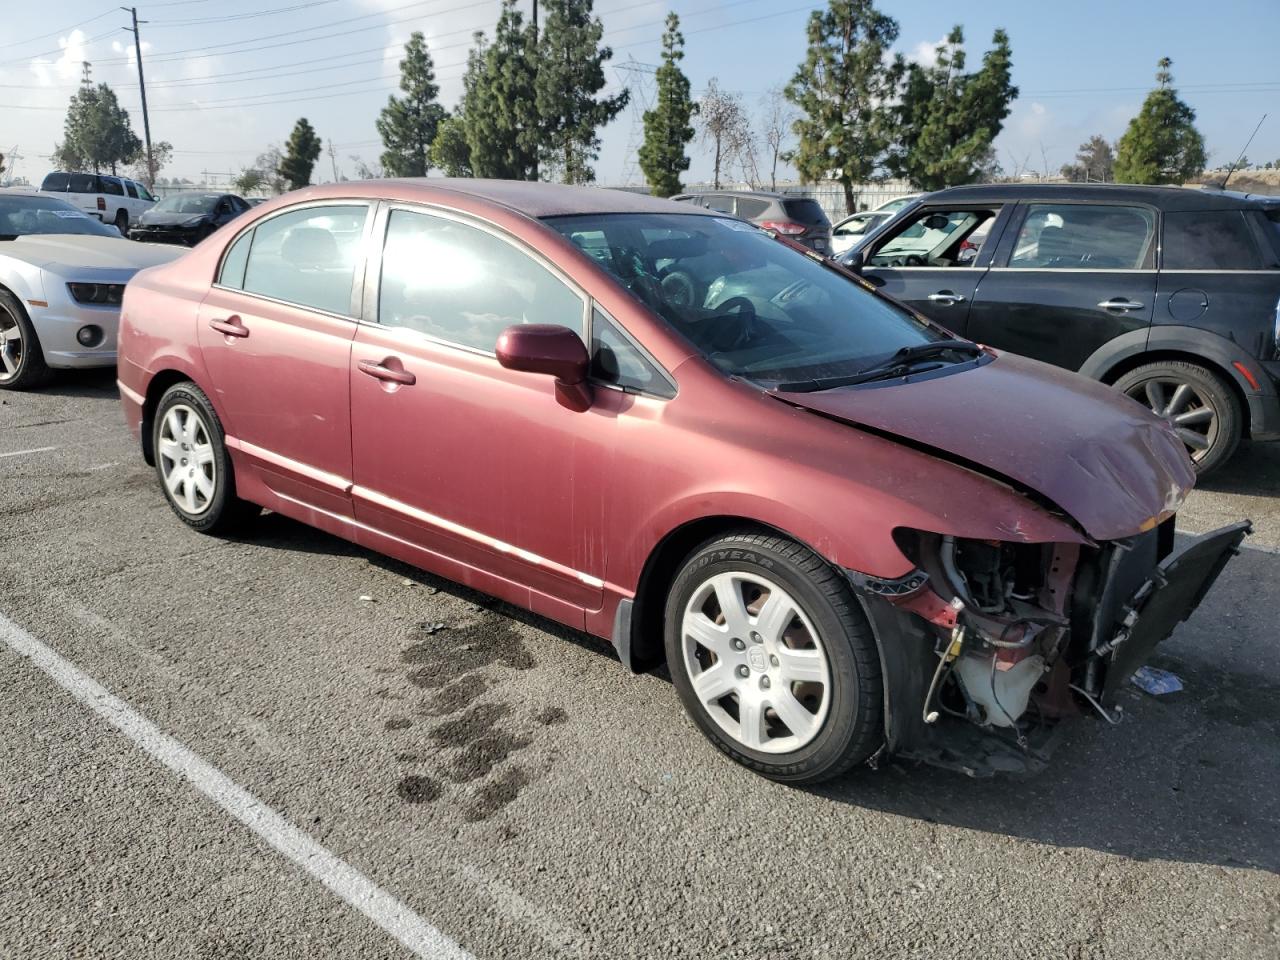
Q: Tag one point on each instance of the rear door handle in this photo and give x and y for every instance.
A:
(1120, 303)
(232, 327)
(379, 372)
(946, 297)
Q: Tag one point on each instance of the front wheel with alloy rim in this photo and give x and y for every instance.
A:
(192, 462)
(773, 658)
(1196, 402)
(22, 363)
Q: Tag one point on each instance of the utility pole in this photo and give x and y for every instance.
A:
(142, 85)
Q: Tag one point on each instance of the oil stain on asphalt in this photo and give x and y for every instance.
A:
(473, 746)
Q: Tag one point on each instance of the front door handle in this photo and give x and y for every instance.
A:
(1120, 303)
(946, 297)
(232, 326)
(380, 372)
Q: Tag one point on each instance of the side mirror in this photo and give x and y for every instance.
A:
(553, 350)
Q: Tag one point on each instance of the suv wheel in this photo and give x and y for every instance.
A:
(122, 222)
(1196, 402)
(774, 659)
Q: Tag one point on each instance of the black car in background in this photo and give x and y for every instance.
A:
(1169, 293)
(799, 218)
(187, 218)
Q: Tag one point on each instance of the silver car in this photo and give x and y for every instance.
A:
(62, 276)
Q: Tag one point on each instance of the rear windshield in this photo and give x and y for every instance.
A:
(805, 211)
(83, 183)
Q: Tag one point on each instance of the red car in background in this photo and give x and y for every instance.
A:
(844, 531)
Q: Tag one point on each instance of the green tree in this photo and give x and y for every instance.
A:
(1161, 144)
(667, 127)
(300, 155)
(96, 132)
(1095, 162)
(843, 90)
(407, 125)
(949, 119)
(249, 180)
(449, 151)
(500, 110)
(567, 84)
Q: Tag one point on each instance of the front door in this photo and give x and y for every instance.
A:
(275, 332)
(478, 468)
(934, 260)
(1069, 278)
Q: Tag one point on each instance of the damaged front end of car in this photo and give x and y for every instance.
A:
(987, 646)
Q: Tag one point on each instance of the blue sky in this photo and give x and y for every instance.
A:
(1082, 67)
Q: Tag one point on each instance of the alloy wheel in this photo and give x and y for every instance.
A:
(11, 347)
(755, 662)
(1187, 410)
(186, 459)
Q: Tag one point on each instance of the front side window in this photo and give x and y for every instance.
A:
(308, 257)
(751, 306)
(1078, 236)
(719, 203)
(616, 360)
(936, 238)
(463, 285)
(143, 192)
(130, 189)
(1208, 240)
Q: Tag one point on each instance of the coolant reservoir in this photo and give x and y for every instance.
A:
(1003, 696)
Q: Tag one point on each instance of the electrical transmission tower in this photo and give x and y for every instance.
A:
(636, 77)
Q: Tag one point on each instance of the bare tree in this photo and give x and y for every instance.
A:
(723, 123)
(365, 171)
(776, 115)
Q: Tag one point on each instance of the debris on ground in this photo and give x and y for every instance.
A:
(1155, 681)
(365, 598)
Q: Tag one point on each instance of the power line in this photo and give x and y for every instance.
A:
(57, 33)
(229, 17)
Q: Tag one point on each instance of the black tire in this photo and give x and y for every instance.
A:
(1209, 391)
(30, 370)
(853, 726)
(222, 512)
(122, 222)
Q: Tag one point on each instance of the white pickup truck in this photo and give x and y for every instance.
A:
(115, 200)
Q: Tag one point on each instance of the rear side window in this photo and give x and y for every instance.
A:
(805, 211)
(55, 183)
(1270, 220)
(463, 285)
(233, 264)
(308, 257)
(1209, 240)
(83, 183)
(112, 186)
(1078, 236)
(749, 208)
(616, 360)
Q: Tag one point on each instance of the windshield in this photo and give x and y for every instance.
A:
(23, 215)
(193, 204)
(752, 306)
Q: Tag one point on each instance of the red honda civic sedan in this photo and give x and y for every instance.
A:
(844, 531)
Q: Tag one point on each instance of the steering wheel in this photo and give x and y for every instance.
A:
(914, 260)
(733, 326)
(679, 289)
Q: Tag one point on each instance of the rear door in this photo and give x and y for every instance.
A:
(1068, 277)
(928, 262)
(275, 332)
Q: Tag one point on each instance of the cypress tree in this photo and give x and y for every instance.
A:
(1161, 144)
(407, 125)
(667, 127)
(300, 155)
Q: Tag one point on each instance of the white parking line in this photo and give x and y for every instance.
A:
(340, 877)
(23, 453)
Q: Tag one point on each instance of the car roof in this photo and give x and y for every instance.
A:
(532, 198)
(1164, 197)
(760, 194)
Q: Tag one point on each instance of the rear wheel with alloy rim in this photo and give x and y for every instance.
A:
(1196, 402)
(22, 363)
(193, 464)
(773, 658)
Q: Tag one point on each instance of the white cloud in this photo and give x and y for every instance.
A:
(68, 64)
(131, 51)
(925, 52)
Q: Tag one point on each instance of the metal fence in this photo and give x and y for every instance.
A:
(829, 194)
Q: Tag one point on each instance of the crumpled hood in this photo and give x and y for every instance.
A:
(66, 253)
(1110, 464)
(153, 218)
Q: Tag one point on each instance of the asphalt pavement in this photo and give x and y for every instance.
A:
(217, 748)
